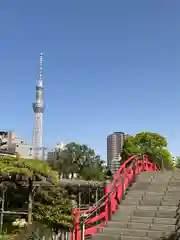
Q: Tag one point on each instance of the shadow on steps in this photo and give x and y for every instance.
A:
(174, 236)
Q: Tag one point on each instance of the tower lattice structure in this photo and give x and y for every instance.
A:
(38, 108)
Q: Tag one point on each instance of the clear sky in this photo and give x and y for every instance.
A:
(109, 66)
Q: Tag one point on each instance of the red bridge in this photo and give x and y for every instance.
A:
(89, 222)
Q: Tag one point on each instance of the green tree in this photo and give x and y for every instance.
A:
(130, 148)
(177, 162)
(53, 207)
(152, 144)
(79, 159)
(25, 174)
(150, 140)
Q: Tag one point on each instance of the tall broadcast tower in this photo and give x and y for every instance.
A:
(38, 108)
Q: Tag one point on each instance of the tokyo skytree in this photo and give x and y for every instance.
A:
(38, 108)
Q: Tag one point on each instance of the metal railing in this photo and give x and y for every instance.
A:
(37, 231)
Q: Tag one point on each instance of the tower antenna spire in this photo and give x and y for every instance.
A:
(40, 82)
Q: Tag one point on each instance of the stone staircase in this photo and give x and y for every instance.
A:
(149, 210)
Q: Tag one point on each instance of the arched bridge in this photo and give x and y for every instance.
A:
(117, 214)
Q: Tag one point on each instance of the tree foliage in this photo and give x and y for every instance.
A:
(79, 159)
(53, 207)
(152, 144)
(177, 162)
(18, 169)
(51, 204)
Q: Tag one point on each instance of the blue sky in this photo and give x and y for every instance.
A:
(109, 66)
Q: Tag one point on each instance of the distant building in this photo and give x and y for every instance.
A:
(11, 145)
(115, 142)
(53, 154)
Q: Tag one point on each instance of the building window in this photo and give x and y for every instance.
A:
(30, 152)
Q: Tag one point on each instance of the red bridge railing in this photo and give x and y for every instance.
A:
(89, 221)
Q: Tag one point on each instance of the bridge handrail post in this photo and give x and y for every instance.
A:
(83, 216)
(143, 166)
(108, 200)
(122, 187)
(75, 234)
(134, 169)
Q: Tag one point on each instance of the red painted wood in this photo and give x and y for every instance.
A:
(115, 195)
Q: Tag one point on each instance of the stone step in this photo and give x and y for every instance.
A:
(134, 238)
(151, 208)
(159, 181)
(133, 232)
(167, 208)
(121, 217)
(141, 178)
(173, 191)
(145, 226)
(161, 214)
(163, 227)
(141, 186)
(124, 208)
(123, 212)
(152, 197)
(176, 194)
(155, 208)
(130, 225)
(171, 221)
(131, 197)
(169, 203)
(163, 176)
(146, 180)
(157, 227)
(158, 184)
(152, 202)
(146, 175)
(102, 236)
(135, 193)
(147, 207)
(152, 193)
(130, 202)
(175, 181)
(169, 197)
(167, 214)
(172, 187)
(161, 186)
(154, 188)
